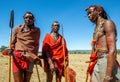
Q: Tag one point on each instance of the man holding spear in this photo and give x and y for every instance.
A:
(24, 49)
(54, 53)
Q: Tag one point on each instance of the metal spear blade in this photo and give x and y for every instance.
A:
(11, 19)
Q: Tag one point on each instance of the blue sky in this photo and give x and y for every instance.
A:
(71, 14)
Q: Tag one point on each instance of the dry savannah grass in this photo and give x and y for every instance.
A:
(77, 62)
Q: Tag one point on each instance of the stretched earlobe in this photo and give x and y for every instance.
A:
(100, 12)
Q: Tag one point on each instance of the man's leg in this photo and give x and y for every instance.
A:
(18, 76)
(27, 76)
(58, 76)
(28, 73)
(49, 75)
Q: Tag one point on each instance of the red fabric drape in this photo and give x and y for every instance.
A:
(17, 62)
(55, 51)
(93, 59)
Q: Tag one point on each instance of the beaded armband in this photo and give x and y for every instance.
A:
(93, 42)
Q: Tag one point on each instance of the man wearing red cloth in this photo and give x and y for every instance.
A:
(54, 52)
(25, 45)
(104, 67)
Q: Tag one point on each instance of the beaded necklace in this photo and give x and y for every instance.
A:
(98, 28)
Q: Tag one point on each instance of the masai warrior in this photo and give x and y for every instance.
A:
(106, 67)
(24, 49)
(53, 53)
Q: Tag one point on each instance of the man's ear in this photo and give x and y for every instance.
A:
(100, 12)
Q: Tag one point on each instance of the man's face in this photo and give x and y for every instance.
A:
(28, 19)
(92, 14)
(55, 27)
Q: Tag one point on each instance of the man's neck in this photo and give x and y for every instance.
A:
(99, 20)
(54, 34)
(29, 26)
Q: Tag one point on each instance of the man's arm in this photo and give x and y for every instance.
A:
(37, 40)
(109, 27)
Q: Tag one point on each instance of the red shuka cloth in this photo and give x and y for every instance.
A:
(18, 63)
(93, 59)
(55, 51)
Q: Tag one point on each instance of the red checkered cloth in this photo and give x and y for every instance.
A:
(71, 75)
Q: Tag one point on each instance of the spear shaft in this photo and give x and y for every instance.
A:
(11, 25)
(63, 43)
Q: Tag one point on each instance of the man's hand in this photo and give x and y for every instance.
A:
(8, 51)
(88, 61)
(107, 78)
(38, 61)
(52, 67)
(51, 64)
(35, 60)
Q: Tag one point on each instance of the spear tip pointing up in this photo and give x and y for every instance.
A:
(11, 19)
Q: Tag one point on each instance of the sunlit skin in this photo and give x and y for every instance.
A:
(92, 14)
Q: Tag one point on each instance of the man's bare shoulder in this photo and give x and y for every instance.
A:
(109, 25)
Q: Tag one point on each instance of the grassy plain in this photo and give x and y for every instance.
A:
(76, 62)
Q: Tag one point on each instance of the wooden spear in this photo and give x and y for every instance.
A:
(64, 56)
(11, 25)
(37, 73)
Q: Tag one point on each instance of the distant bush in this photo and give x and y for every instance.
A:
(2, 48)
(79, 52)
(118, 51)
(85, 51)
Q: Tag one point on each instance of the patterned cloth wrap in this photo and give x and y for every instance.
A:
(71, 75)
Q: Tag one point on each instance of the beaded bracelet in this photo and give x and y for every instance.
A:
(108, 77)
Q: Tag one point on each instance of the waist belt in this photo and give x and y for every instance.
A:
(23, 51)
(101, 54)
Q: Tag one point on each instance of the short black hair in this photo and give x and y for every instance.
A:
(55, 22)
(28, 12)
